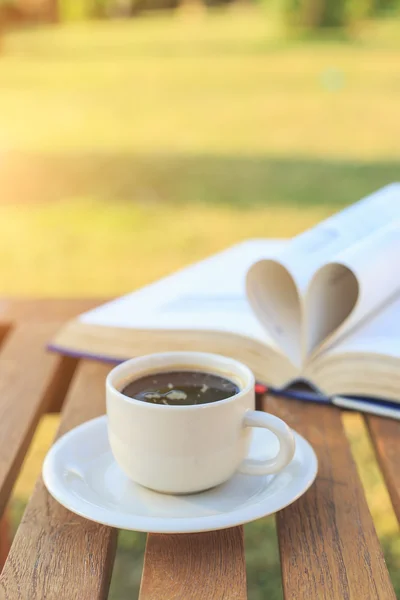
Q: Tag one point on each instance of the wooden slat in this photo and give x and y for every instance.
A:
(203, 566)
(328, 545)
(385, 435)
(42, 310)
(5, 329)
(5, 538)
(56, 554)
(30, 380)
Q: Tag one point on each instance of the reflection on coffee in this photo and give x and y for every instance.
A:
(181, 388)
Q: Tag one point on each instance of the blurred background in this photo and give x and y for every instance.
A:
(137, 136)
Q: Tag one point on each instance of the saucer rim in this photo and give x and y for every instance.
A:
(171, 525)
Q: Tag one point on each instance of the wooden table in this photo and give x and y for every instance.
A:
(328, 545)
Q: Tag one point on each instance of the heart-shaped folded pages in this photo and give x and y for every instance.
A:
(299, 327)
(308, 314)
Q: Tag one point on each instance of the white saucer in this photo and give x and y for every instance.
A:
(80, 472)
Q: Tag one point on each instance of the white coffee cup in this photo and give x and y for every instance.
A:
(185, 449)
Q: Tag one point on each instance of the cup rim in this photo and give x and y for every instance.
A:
(239, 370)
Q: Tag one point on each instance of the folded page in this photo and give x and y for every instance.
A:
(380, 335)
(310, 250)
(345, 292)
(277, 287)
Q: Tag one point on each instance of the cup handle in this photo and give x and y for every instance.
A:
(252, 466)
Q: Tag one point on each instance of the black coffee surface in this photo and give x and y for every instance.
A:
(181, 388)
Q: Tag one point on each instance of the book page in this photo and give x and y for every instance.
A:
(209, 295)
(345, 292)
(278, 288)
(379, 335)
(310, 250)
(366, 362)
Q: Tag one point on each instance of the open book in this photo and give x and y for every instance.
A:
(323, 307)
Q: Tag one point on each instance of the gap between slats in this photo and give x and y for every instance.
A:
(385, 438)
(328, 544)
(376, 484)
(49, 533)
(31, 380)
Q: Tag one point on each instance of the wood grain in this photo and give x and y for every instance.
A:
(202, 566)
(57, 555)
(5, 538)
(329, 549)
(60, 383)
(385, 436)
(30, 380)
(5, 329)
(328, 545)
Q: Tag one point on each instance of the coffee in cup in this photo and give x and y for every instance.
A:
(181, 388)
(186, 445)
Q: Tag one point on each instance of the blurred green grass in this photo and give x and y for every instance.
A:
(128, 149)
(171, 137)
(222, 83)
